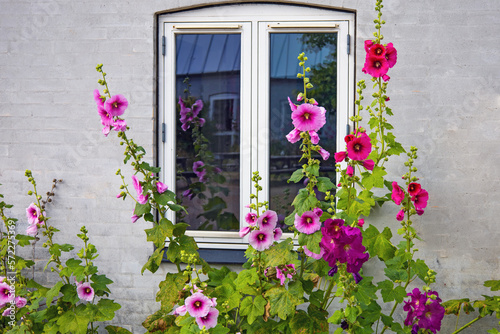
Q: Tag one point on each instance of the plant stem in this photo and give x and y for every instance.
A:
(327, 294)
(467, 325)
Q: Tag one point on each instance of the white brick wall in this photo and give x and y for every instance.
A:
(444, 92)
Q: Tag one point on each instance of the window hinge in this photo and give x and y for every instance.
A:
(348, 44)
(347, 129)
(163, 132)
(163, 45)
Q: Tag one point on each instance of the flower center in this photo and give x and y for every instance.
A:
(308, 220)
(115, 104)
(347, 247)
(87, 290)
(357, 147)
(306, 115)
(378, 51)
(197, 303)
(261, 236)
(377, 64)
(264, 220)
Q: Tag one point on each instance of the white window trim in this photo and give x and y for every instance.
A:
(254, 21)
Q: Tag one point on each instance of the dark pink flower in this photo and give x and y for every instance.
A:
(300, 97)
(318, 212)
(348, 138)
(98, 98)
(199, 170)
(293, 106)
(308, 223)
(161, 187)
(106, 118)
(277, 234)
(324, 153)
(209, 320)
(386, 78)
(425, 310)
(377, 50)
(361, 222)
(419, 212)
(116, 105)
(293, 136)
(314, 255)
(85, 291)
(268, 220)
(340, 156)
(198, 305)
(375, 66)
(33, 214)
(244, 231)
(6, 294)
(251, 218)
(261, 239)
(368, 45)
(359, 147)
(333, 228)
(420, 199)
(391, 54)
(141, 198)
(397, 193)
(400, 216)
(309, 117)
(368, 164)
(350, 171)
(120, 125)
(314, 137)
(414, 188)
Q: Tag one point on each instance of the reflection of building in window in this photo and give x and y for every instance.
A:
(225, 112)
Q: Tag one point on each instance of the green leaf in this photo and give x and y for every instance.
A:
(213, 208)
(159, 232)
(53, 292)
(296, 176)
(217, 275)
(100, 284)
(104, 310)
(141, 209)
(379, 243)
(453, 306)
(280, 254)
(374, 179)
(336, 317)
(313, 169)
(304, 201)
(228, 221)
(116, 330)
(247, 281)
(301, 323)
(493, 285)
(389, 293)
(164, 198)
(253, 307)
(168, 295)
(69, 294)
(366, 291)
(351, 313)
(154, 261)
(282, 301)
(24, 240)
(324, 184)
(311, 241)
(70, 322)
(146, 166)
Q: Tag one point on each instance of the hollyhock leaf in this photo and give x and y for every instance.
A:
(296, 176)
(454, 306)
(217, 276)
(374, 179)
(366, 291)
(253, 307)
(24, 240)
(100, 284)
(73, 322)
(148, 167)
(168, 294)
(69, 294)
(53, 292)
(493, 285)
(396, 274)
(280, 254)
(176, 207)
(324, 184)
(290, 219)
(304, 201)
(313, 169)
(336, 317)
(301, 323)
(383, 247)
(141, 209)
(164, 198)
(389, 293)
(160, 232)
(116, 330)
(154, 261)
(283, 301)
(319, 318)
(370, 314)
(247, 282)
(311, 241)
(420, 268)
(351, 313)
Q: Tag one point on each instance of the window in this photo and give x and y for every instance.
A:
(234, 67)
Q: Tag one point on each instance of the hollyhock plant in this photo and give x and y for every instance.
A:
(391, 54)
(420, 199)
(398, 194)
(314, 137)
(268, 220)
(161, 187)
(368, 164)
(324, 153)
(141, 198)
(377, 50)
(376, 66)
(414, 188)
(400, 216)
(308, 223)
(33, 214)
(106, 118)
(116, 105)
(350, 171)
(261, 239)
(199, 170)
(340, 156)
(198, 305)
(308, 117)
(359, 147)
(6, 294)
(251, 218)
(85, 291)
(209, 320)
(181, 310)
(293, 136)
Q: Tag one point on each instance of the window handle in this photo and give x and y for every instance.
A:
(279, 25)
(208, 26)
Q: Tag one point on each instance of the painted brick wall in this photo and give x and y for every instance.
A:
(445, 94)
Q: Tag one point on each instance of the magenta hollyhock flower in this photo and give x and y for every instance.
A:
(368, 164)
(209, 320)
(309, 117)
(277, 234)
(201, 121)
(318, 212)
(386, 78)
(199, 170)
(33, 214)
(368, 45)
(308, 223)
(188, 193)
(141, 198)
(414, 188)
(324, 153)
(106, 118)
(161, 187)
(32, 230)
(280, 276)
(181, 310)
(251, 218)
(98, 98)
(6, 294)
(397, 193)
(376, 66)
(425, 309)
(314, 255)
(348, 138)
(85, 291)
(314, 137)
(300, 97)
(400, 216)
(198, 305)
(244, 231)
(432, 317)
(134, 218)
(377, 50)
(116, 105)
(261, 239)
(340, 156)
(106, 130)
(293, 136)
(333, 228)
(349, 249)
(391, 54)
(120, 125)
(350, 171)
(20, 302)
(419, 212)
(420, 199)
(293, 106)
(359, 147)
(268, 220)
(357, 277)
(361, 222)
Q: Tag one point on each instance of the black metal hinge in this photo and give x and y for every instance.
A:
(348, 44)
(163, 132)
(163, 45)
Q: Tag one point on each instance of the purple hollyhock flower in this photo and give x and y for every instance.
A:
(333, 228)
(308, 117)
(116, 105)
(268, 220)
(209, 320)
(340, 156)
(251, 218)
(368, 164)
(308, 223)
(359, 147)
(161, 187)
(397, 193)
(420, 199)
(401, 215)
(349, 248)
(98, 98)
(261, 239)
(244, 231)
(344, 325)
(349, 171)
(106, 118)
(318, 212)
(85, 291)
(277, 234)
(33, 214)
(6, 294)
(198, 305)
(314, 137)
(414, 329)
(324, 153)
(199, 170)
(432, 317)
(188, 193)
(201, 121)
(357, 277)
(333, 271)
(293, 136)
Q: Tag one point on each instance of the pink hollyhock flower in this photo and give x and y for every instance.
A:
(116, 105)
(244, 231)
(308, 223)
(268, 220)
(350, 171)
(188, 193)
(120, 125)
(397, 193)
(277, 234)
(32, 230)
(419, 212)
(400, 216)
(20, 302)
(138, 188)
(318, 212)
(161, 187)
(340, 156)
(368, 164)
(377, 50)
(293, 106)
(106, 130)
(375, 66)
(199, 170)
(386, 78)
(368, 45)
(309, 117)
(361, 222)
(359, 147)
(280, 276)
(414, 188)
(209, 320)
(314, 137)
(324, 153)
(181, 310)
(8, 311)
(33, 214)
(251, 218)
(198, 305)
(106, 118)
(85, 291)
(348, 138)
(300, 97)
(6, 294)
(391, 54)
(420, 199)
(98, 98)
(293, 136)
(314, 255)
(261, 239)
(134, 218)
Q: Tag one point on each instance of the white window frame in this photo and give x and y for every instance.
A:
(255, 22)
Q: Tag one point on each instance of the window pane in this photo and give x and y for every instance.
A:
(321, 50)
(208, 137)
